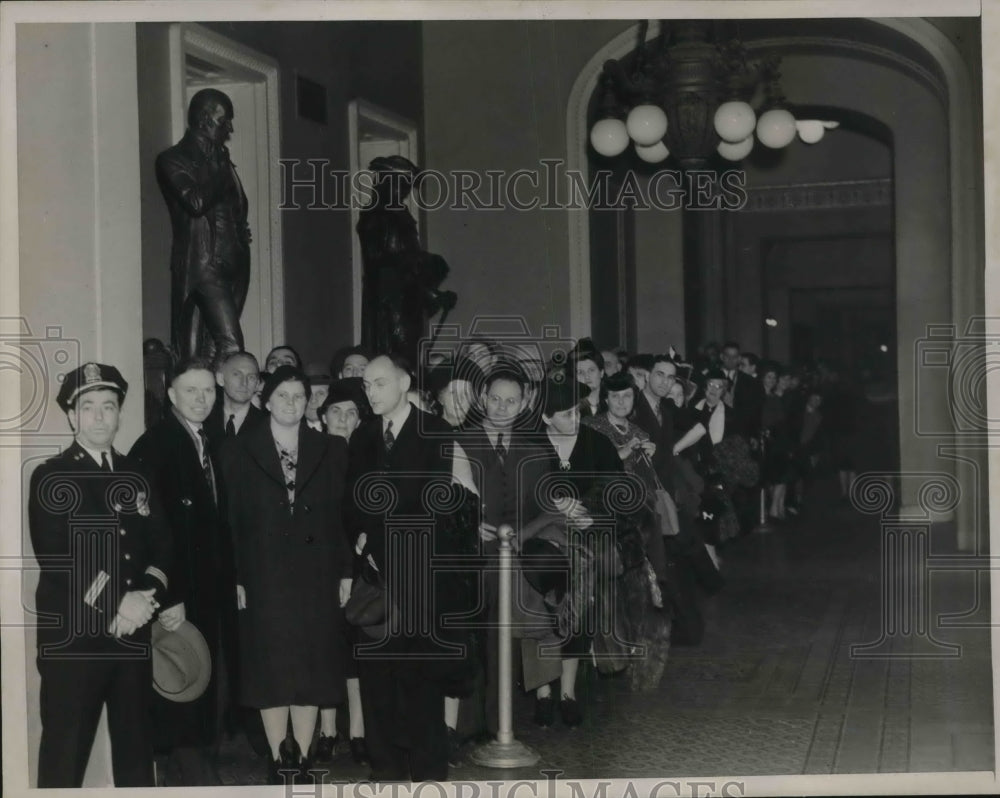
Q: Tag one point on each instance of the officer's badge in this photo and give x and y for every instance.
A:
(141, 503)
(91, 373)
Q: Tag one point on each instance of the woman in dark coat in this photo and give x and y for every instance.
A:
(286, 486)
(583, 463)
(721, 453)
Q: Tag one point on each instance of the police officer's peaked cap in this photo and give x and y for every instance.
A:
(90, 377)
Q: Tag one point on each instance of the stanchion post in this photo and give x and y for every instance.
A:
(762, 525)
(505, 751)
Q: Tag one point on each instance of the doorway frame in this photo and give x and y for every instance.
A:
(365, 117)
(187, 38)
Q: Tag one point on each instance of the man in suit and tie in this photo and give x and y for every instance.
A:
(103, 547)
(507, 464)
(403, 681)
(654, 414)
(745, 396)
(179, 458)
(233, 412)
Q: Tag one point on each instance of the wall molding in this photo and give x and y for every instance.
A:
(877, 192)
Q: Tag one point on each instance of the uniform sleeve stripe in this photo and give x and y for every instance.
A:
(158, 574)
(90, 597)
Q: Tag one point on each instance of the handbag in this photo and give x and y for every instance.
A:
(663, 504)
(367, 606)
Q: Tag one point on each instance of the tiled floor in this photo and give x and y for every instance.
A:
(774, 688)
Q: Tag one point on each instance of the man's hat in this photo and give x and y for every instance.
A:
(89, 377)
(182, 663)
(318, 374)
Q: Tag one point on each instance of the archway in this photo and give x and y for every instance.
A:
(934, 159)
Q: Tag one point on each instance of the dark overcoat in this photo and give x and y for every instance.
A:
(290, 558)
(386, 490)
(84, 521)
(663, 435)
(203, 571)
(215, 424)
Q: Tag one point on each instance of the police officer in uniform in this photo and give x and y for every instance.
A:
(103, 549)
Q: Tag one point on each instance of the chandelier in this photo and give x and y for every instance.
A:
(688, 95)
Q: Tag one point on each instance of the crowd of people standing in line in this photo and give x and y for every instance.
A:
(622, 476)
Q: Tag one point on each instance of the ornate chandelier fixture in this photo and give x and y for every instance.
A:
(688, 95)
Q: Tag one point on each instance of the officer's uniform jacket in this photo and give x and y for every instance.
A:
(97, 535)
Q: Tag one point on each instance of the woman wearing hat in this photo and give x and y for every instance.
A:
(343, 411)
(642, 542)
(286, 485)
(585, 461)
(454, 392)
(721, 453)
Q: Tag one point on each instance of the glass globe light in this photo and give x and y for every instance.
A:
(654, 153)
(810, 130)
(646, 124)
(609, 137)
(734, 121)
(737, 151)
(776, 128)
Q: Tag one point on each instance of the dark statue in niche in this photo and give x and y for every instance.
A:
(401, 280)
(210, 256)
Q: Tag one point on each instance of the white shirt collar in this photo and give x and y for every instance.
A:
(192, 429)
(96, 453)
(654, 404)
(492, 433)
(397, 418)
(239, 416)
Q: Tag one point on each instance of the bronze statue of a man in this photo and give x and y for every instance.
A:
(401, 280)
(210, 256)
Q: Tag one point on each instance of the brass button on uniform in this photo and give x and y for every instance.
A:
(128, 556)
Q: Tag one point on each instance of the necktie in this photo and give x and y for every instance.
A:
(105, 463)
(501, 449)
(388, 437)
(231, 426)
(206, 463)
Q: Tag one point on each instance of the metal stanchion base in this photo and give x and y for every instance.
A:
(763, 528)
(504, 755)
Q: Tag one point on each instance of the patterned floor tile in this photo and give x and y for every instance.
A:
(773, 688)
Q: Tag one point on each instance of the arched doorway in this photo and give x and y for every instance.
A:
(907, 76)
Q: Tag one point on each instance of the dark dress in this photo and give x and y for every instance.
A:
(777, 460)
(290, 558)
(646, 618)
(591, 468)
